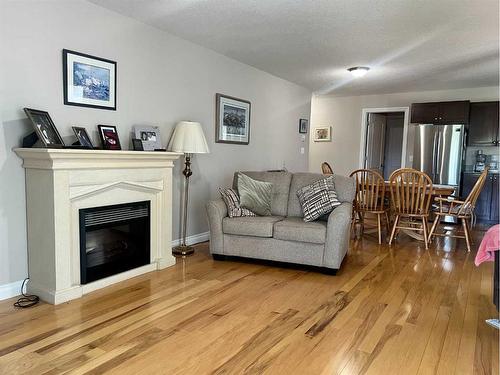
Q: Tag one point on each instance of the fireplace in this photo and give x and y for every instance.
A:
(113, 239)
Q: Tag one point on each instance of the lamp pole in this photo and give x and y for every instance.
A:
(183, 249)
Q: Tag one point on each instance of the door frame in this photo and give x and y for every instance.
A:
(364, 125)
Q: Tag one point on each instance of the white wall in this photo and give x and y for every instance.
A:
(161, 80)
(343, 114)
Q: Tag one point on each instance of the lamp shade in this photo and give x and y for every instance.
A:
(188, 138)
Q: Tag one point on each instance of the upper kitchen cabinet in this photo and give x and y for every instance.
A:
(483, 124)
(440, 112)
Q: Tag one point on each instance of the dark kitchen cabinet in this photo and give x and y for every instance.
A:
(483, 124)
(424, 113)
(456, 112)
(487, 209)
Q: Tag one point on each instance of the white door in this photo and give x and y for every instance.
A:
(375, 136)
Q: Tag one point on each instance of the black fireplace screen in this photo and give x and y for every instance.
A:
(113, 239)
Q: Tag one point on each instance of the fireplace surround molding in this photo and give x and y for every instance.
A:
(60, 182)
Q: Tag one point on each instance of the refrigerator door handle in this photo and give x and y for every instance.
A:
(434, 161)
(439, 157)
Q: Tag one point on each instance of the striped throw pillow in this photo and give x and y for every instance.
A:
(318, 199)
(232, 201)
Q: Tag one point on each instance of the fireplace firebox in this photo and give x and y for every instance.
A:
(113, 239)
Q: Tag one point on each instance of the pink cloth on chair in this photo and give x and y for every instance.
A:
(489, 244)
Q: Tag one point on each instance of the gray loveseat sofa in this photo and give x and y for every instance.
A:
(284, 236)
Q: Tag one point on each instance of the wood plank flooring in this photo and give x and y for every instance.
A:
(390, 310)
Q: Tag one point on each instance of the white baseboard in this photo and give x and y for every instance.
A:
(14, 289)
(195, 238)
(10, 290)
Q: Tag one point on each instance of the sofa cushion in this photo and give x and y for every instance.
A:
(260, 226)
(232, 201)
(318, 199)
(255, 195)
(344, 187)
(280, 192)
(295, 229)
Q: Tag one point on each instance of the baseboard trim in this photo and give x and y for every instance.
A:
(195, 238)
(13, 289)
(10, 290)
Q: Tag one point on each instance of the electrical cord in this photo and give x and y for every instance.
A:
(27, 300)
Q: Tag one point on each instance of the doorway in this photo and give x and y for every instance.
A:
(383, 146)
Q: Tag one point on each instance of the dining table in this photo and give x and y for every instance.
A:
(437, 190)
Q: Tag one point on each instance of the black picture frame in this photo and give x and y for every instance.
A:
(68, 99)
(303, 125)
(83, 137)
(220, 98)
(108, 134)
(137, 144)
(45, 128)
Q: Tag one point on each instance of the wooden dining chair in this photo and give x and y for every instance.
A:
(326, 169)
(411, 194)
(369, 199)
(462, 210)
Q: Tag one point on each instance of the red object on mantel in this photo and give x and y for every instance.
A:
(489, 244)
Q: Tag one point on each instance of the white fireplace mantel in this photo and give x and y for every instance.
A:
(60, 182)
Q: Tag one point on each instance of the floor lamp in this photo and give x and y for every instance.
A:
(189, 139)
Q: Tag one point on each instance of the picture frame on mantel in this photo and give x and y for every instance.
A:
(89, 81)
(45, 128)
(82, 137)
(109, 137)
(232, 120)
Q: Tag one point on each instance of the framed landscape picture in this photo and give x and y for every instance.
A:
(89, 81)
(44, 128)
(232, 120)
(109, 137)
(323, 134)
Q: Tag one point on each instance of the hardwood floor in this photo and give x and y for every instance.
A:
(399, 310)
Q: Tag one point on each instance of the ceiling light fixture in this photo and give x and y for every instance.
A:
(358, 71)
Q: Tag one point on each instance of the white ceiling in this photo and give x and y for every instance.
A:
(411, 45)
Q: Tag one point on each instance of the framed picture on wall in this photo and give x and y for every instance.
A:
(89, 81)
(322, 134)
(44, 128)
(303, 125)
(109, 137)
(232, 120)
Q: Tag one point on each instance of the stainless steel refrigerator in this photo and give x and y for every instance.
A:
(439, 151)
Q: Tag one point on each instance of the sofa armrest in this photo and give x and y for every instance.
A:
(216, 211)
(337, 235)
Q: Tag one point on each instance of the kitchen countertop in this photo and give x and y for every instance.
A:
(478, 173)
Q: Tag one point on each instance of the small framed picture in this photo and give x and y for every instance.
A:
(44, 128)
(232, 120)
(303, 125)
(137, 145)
(150, 137)
(89, 81)
(323, 134)
(109, 137)
(82, 137)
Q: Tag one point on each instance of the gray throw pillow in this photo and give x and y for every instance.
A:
(255, 195)
(232, 201)
(318, 199)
